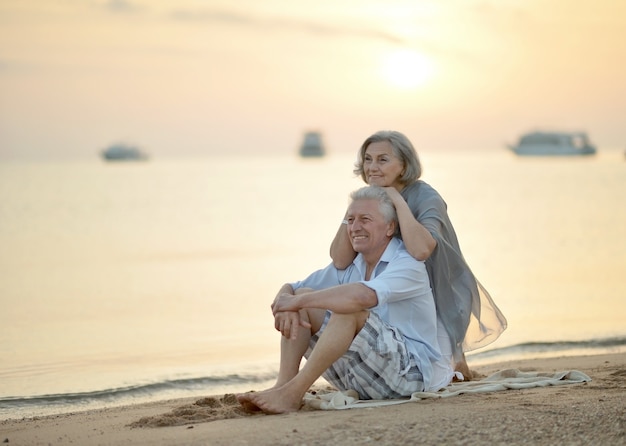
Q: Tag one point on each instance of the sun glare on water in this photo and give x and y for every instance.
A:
(407, 69)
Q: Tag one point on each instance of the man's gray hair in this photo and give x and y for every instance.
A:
(384, 202)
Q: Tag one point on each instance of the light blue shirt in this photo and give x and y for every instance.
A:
(405, 300)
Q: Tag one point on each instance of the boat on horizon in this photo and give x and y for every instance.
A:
(312, 146)
(123, 152)
(553, 144)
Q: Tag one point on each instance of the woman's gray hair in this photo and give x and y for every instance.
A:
(402, 149)
(384, 202)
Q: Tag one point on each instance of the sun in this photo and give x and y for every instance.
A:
(407, 69)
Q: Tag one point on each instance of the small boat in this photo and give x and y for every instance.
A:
(554, 144)
(312, 145)
(123, 152)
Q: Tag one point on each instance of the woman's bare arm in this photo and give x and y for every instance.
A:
(341, 249)
(417, 239)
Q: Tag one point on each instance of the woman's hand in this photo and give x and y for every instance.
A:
(394, 195)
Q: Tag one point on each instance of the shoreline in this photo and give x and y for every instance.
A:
(207, 383)
(591, 413)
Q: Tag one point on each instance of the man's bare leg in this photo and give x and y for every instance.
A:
(332, 344)
(292, 351)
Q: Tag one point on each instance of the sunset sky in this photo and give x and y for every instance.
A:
(187, 78)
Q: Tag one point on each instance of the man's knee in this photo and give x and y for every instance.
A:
(314, 316)
(358, 318)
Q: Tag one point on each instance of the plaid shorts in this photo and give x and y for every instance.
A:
(377, 364)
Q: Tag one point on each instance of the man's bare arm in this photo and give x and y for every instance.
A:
(348, 298)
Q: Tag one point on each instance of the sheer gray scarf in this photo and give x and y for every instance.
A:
(466, 309)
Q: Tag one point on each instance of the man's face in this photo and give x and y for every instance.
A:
(369, 234)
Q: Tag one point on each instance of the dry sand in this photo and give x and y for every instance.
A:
(579, 414)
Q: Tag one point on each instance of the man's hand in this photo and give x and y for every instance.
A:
(284, 302)
(289, 323)
(287, 318)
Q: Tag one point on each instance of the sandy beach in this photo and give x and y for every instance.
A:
(585, 414)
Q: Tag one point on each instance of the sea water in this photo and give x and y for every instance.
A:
(131, 282)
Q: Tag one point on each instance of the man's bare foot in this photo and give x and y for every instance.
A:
(246, 403)
(271, 401)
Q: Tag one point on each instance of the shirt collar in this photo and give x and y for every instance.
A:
(390, 251)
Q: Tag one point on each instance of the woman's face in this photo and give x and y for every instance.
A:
(381, 167)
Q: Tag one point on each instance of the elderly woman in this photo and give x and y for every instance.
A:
(464, 308)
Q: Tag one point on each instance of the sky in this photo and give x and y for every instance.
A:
(212, 77)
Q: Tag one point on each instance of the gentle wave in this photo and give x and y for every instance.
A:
(68, 402)
(143, 391)
(562, 347)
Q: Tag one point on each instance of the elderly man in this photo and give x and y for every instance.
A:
(371, 327)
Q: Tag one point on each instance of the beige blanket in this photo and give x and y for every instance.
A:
(503, 380)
